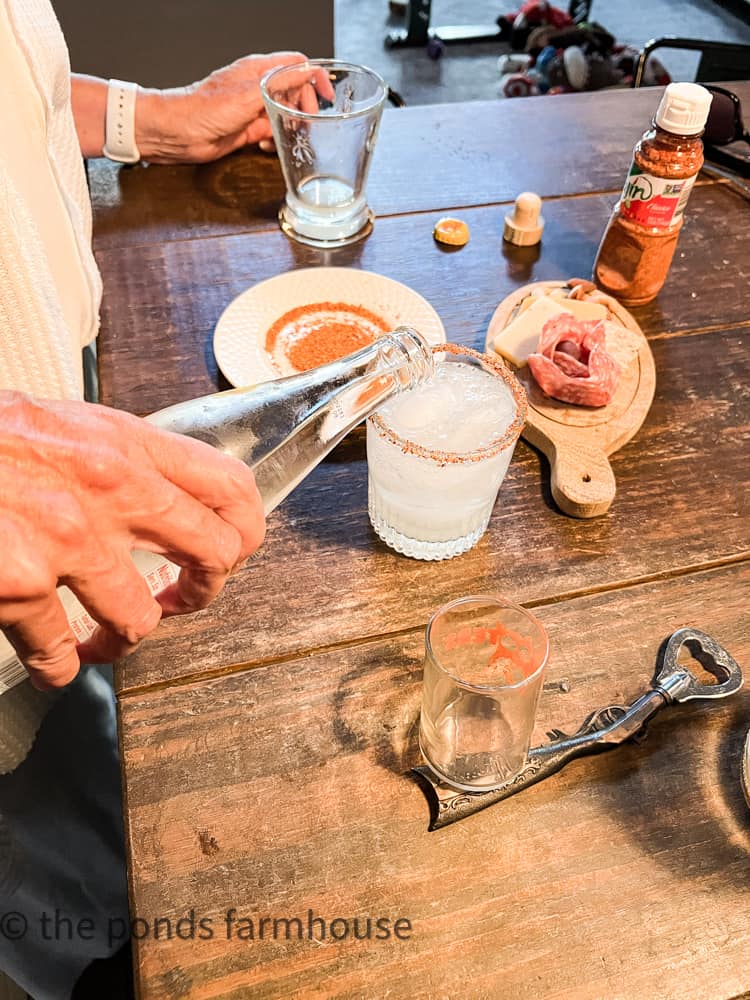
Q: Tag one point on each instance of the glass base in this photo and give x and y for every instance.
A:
(491, 786)
(418, 549)
(287, 223)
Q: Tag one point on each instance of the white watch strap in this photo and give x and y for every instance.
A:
(119, 127)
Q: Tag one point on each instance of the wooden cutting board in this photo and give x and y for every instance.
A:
(577, 440)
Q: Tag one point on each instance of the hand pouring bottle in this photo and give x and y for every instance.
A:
(284, 428)
(281, 429)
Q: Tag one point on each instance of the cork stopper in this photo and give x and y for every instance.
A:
(525, 224)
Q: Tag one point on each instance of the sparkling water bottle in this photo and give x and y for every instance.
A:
(281, 429)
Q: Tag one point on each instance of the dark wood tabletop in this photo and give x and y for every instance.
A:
(266, 742)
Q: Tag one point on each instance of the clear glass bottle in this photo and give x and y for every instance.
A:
(283, 429)
(639, 242)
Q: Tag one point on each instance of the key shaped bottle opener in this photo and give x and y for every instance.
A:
(602, 730)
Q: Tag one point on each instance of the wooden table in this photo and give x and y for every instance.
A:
(266, 742)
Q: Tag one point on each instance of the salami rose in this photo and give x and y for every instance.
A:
(572, 363)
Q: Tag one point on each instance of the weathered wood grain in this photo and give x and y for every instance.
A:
(148, 203)
(281, 788)
(323, 576)
(285, 788)
(161, 303)
(427, 158)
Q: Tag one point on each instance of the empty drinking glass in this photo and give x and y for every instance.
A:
(484, 664)
(325, 116)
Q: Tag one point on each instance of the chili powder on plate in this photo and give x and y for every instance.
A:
(312, 335)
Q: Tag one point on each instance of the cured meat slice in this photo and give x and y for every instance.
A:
(572, 362)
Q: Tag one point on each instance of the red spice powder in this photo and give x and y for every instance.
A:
(315, 334)
(509, 646)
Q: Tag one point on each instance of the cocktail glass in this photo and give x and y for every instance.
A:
(484, 665)
(432, 504)
(325, 116)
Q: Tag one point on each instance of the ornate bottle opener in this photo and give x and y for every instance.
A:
(602, 730)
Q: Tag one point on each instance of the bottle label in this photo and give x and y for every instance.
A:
(158, 573)
(656, 202)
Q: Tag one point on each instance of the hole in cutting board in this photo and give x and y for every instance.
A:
(586, 477)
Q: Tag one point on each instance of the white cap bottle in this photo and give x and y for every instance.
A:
(640, 239)
(684, 109)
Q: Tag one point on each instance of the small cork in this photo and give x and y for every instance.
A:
(524, 226)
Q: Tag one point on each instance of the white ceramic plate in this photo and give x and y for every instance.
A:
(240, 334)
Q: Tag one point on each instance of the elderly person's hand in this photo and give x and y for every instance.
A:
(210, 118)
(203, 121)
(81, 486)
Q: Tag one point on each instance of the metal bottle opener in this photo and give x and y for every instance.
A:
(602, 730)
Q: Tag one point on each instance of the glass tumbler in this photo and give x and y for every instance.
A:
(325, 116)
(432, 504)
(484, 665)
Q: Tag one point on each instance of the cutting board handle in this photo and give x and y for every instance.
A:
(582, 481)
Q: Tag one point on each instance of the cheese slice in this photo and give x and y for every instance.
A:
(520, 338)
(528, 301)
(581, 308)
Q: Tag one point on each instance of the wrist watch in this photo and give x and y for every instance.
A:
(119, 122)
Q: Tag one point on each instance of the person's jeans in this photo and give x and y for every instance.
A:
(63, 889)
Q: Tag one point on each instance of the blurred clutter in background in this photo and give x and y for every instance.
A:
(557, 52)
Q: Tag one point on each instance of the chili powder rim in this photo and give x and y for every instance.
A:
(509, 437)
(351, 310)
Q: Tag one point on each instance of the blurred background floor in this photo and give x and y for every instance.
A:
(469, 72)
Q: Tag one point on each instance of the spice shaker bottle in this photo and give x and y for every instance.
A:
(640, 239)
(281, 429)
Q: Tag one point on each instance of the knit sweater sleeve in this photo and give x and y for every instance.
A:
(38, 354)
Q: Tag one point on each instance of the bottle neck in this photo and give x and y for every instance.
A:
(282, 429)
(407, 354)
(331, 401)
(673, 139)
(363, 381)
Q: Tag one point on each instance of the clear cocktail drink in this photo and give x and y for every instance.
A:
(437, 455)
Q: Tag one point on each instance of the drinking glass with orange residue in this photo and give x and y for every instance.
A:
(484, 664)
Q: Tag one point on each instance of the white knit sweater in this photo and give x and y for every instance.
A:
(40, 352)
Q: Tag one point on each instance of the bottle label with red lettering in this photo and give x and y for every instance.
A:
(656, 202)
